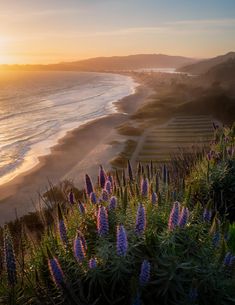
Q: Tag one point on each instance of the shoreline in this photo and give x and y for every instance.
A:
(21, 193)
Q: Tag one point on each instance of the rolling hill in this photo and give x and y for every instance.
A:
(115, 63)
(204, 66)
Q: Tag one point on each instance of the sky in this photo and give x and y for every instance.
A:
(48, 31)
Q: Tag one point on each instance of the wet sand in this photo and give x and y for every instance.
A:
(80, 151)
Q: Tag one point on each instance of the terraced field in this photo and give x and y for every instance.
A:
(182, 134)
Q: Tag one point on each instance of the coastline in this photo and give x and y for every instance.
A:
(81, 150)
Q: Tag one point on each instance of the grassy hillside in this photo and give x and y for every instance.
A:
(204, 66)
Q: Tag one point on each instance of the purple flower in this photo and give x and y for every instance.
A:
(112, 203)
(144, 187)
(110, 178)
(104, 195)
(183, 217)
(108, 187)
(130, 172)
(89, 185)
(154, 198)
(102, 221)
(93, 198)
(81, 207)
(174, 216)
(9, 258)
(102, 177)
(207, 215)
(56, 272)
(78, 249)
(140, 220)
(71, 197)
(92, 263)
(122, 243)
(63, 232)
(144, 273)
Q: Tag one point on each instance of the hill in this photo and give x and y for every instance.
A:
(204, 66)
(222, 72)
(130, 62)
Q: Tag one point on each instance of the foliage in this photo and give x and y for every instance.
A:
(133, 244)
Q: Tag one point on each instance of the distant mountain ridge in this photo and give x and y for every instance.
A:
(203, 67)
(115, 63)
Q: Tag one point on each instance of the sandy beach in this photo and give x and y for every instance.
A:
(79, 152)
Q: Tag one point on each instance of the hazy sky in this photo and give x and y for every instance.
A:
(34, 31)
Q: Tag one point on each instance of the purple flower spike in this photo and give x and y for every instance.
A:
(154, 198)
(102, 177)
(89, 185)
(110, 178)
(174, 216)
(10, 258)
(93, 198)
(63, 232)
(144, 187)
(71, 197)
(183, 217)
(122, 243)
(140, 220)
(105, 195)
(102, 221)
(92, 263)
(56, 272)
(78, 249)
(144, 273)
(207, 215)
(108, 187)
(112, 203)
(81, 207)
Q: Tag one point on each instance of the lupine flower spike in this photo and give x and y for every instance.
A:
(92, 263)
(102, 221)
(144, 187)
(89, 185)
(78, 249)
(154, 198)
(122, 243)
(183, 219)
(81, 207)
(174, 216)
(105, 195)
(71, 197)
(144, 273)
(9, 258)
(140, 220)
(56, 272)
(93, 198)
(112, 203)
(102, 177)
(62, 227)
(108, 187)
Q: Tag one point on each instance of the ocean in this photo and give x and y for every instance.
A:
(38, 108)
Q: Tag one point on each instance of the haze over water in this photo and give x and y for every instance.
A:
(38, 108)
